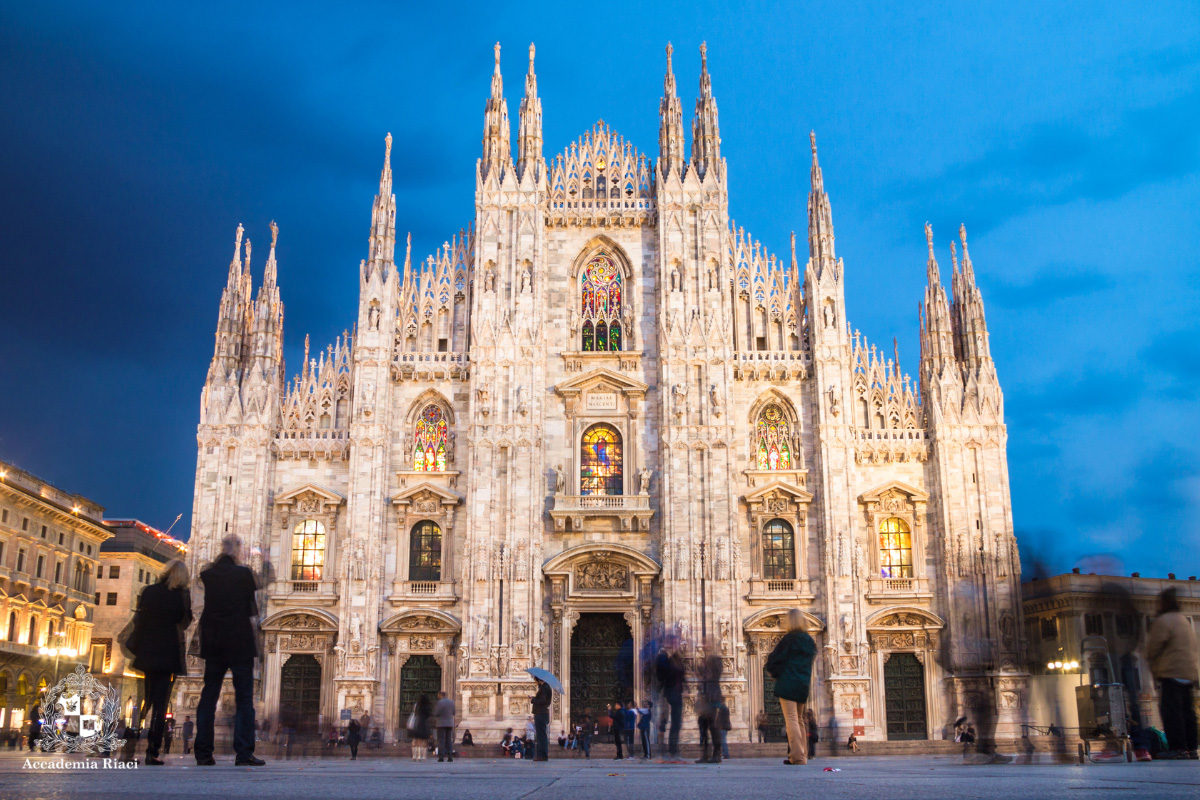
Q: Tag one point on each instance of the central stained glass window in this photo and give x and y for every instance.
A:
(602, 299)
(895, 549)
(429, 453)
(773, 450)
(600, 462)
(308, 551)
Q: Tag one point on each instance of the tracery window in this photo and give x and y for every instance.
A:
(895, 549)
(602, 286)
(429, 453)
(308, 551)
(600, 461)
(779, 551)
(774, 435)
(425, 552)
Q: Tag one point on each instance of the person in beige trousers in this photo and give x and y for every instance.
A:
(790, 664)
(1171, 649)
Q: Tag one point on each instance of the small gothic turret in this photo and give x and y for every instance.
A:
(670, 125)
(937, 328)
(706, 133)
(969, 318)
(382, 241)
(497, 150)
(529, 136)
(820, 217)
(231, 319)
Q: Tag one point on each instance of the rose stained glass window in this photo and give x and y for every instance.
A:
(773, 450)
(429, 451)
(895, 549)
(600, 462)
(601, 304)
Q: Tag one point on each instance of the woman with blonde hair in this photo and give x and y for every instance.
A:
(164, 612)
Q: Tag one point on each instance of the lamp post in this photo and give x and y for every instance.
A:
(1066, 667)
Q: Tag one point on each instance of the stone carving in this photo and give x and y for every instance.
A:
(478, 706)
(721, 561)
(521, 562)
(464, 660)
(834, 403)
(301, 621)
(723, 626)
(560, 479)
(356, 631)
(360, 561)
(482, 562)
(714, 397)
(522, 403)
(489, 279)
(520, 628)
(526, 278)
(602, 576)
(645, 475)
(421, 642)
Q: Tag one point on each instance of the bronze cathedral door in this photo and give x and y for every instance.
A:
(904, 694)
(601, 664)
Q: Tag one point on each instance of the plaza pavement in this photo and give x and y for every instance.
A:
(878, 777)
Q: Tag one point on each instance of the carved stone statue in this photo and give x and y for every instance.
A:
(373, 317)
(645, 474)
(829, 316)
(356, 629)
(522, 403)
(715, 397)
(674, 278)
(521, 628)
(482, 395)
(573, 322)
(560, 479)
(449, 448)
(489, 281)
(834, 403)
(360, 562)
(526, 279)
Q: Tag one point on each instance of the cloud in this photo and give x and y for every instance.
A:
(1053, 283)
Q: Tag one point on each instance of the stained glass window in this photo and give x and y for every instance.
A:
(308, 551)
(774, 450)
(895, 549)
(779, 551)
(425, 552)
(429, 452)
(600, 461)
(601, 302)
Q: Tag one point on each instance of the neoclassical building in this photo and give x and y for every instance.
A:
(598, 412)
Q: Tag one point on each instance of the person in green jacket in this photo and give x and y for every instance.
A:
(790, 664)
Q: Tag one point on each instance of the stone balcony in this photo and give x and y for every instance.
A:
(775, 590)
(633, 511)
(434, 593)
(888, 591)
(305, 593)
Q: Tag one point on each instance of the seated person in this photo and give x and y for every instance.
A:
(520, 748)
(507, 743)
(468, 740)
(562, 739)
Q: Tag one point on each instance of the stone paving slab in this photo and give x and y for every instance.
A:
(563, 779)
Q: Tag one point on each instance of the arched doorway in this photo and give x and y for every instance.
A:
(775, 726)
(419, 675)
(904, 695)
(300, 693)
(601, 663)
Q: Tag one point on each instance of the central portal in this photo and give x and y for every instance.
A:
(601, 664)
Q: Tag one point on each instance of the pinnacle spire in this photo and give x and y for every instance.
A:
(529, 142)
(270, 272)
(670, 125)
(938, 336)
(706, 132)
(382, 241)
(820, 217)
(497, 149)
(931, 266)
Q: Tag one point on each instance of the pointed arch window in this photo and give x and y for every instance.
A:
(895, 549)
(429, 452)
(425, 552)
(773, 449)
(601, 298)
(308, 551)
(601, 462)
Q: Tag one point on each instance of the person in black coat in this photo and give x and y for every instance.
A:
(227, 644)
(541, 719)
(163, 614)
(354, 738)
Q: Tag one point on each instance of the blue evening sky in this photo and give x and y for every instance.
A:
(1066, 136)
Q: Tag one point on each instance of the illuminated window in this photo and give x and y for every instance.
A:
(895, 549)
(774, 450)
(425, 552)
(779, 551)
(308, 551)
(33, 631)
(429, 452)
(600, 461)
(601, 301)
(12, 627)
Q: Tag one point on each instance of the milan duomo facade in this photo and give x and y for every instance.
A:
(600, 412)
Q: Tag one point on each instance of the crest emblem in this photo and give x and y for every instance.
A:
(81, 715)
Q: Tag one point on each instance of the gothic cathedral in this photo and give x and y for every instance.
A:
(600, 413)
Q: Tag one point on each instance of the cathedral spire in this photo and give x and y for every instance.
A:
(529, 142)
(937, 330)
(969, 316)
(706, 133)
(270, 272)
(497, 150)
(670, 126)
(820, 217)
(382, 242)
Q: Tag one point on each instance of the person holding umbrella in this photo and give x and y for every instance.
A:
(541, 710)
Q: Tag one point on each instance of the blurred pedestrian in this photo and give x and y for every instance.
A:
(618, 729)
(419, 728)
(790, 664)
(810, 725)
(643, 726)
(228, 644)
(669, 673)
(760, 724)
(1171, 649)
(541, 719)
(168, 736)
(188, 729)
(443, 715)
(164, 611)
(709, 700)
(724, 726)
(354, 738)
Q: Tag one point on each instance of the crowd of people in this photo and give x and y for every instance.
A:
(155, 639)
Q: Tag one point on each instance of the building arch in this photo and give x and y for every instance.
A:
(425, 398)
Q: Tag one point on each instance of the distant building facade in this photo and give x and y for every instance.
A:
(600, 412)
(49, 551)
(1099, 622)
(131, 560)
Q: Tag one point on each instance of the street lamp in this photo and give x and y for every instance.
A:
(1066, 667)
(57, 652)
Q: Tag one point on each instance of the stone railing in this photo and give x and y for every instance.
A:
(629, 509)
